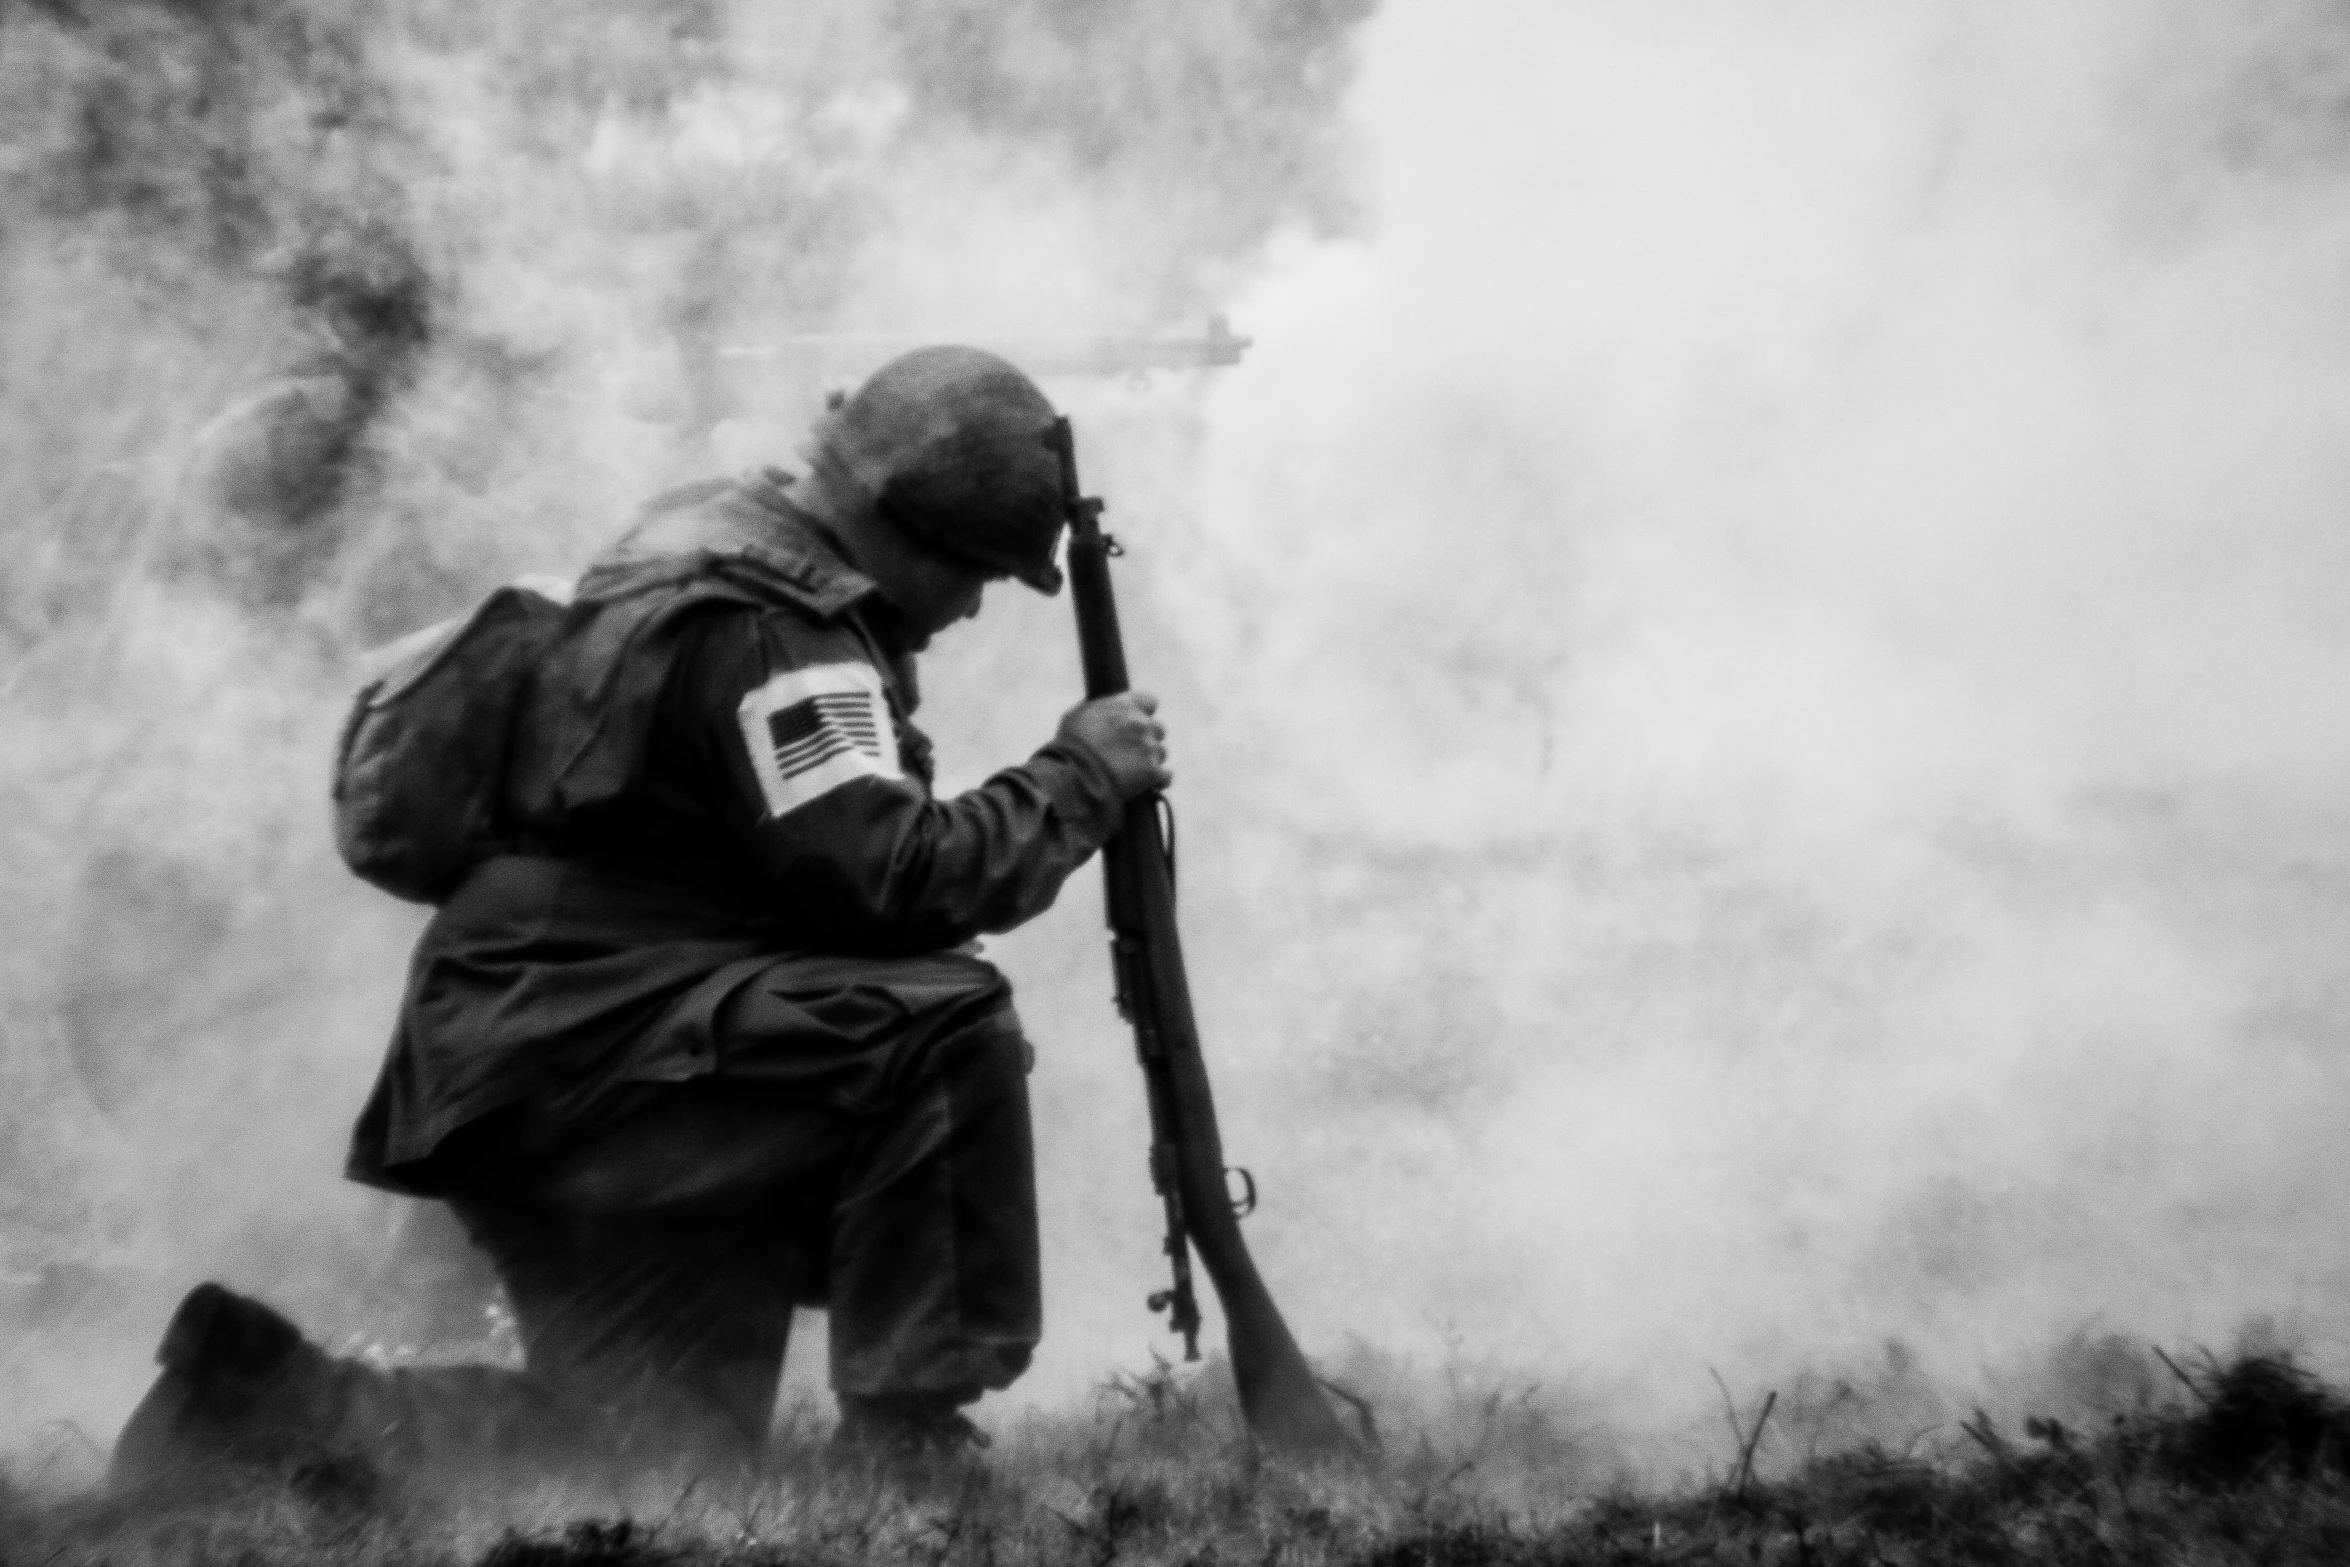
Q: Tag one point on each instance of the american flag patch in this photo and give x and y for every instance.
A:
(809, 731)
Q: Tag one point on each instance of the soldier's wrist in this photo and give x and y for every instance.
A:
(1082, 786)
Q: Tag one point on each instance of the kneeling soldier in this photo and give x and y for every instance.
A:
(708, 1042)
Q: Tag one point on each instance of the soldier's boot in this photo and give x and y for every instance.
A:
(912, 1438)
(241, 1391)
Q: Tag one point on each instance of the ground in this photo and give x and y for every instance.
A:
(2247, 1462)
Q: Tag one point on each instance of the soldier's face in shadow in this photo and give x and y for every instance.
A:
(931, 590)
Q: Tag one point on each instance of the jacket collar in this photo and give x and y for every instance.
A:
(749, 523)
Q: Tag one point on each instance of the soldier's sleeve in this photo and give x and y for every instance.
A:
(799, 742)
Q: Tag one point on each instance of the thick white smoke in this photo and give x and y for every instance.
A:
(318, 320)
(1750, 650)
(1771, 647)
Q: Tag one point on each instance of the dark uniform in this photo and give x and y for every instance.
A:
(711, 1044)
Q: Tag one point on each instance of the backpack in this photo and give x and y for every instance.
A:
(420, 770)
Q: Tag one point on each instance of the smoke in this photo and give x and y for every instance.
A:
(1776, 618)
(1750, 650)
(316, 321)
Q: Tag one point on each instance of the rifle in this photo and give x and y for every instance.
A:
(1280, 1397)
(1072, 354)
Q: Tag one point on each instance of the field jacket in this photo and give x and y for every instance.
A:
(716, 779)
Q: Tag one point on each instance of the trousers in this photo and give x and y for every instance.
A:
(653, 1253)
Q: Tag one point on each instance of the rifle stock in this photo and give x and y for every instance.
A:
(1280, 1397)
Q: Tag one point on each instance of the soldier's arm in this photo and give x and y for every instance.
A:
(799, 747)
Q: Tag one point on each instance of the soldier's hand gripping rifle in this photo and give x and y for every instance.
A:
(1279, 1395)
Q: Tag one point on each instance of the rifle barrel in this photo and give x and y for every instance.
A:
(1052, 354)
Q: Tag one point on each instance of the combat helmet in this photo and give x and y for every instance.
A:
(949, 445)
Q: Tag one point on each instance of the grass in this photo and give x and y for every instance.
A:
(2247, 1461)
